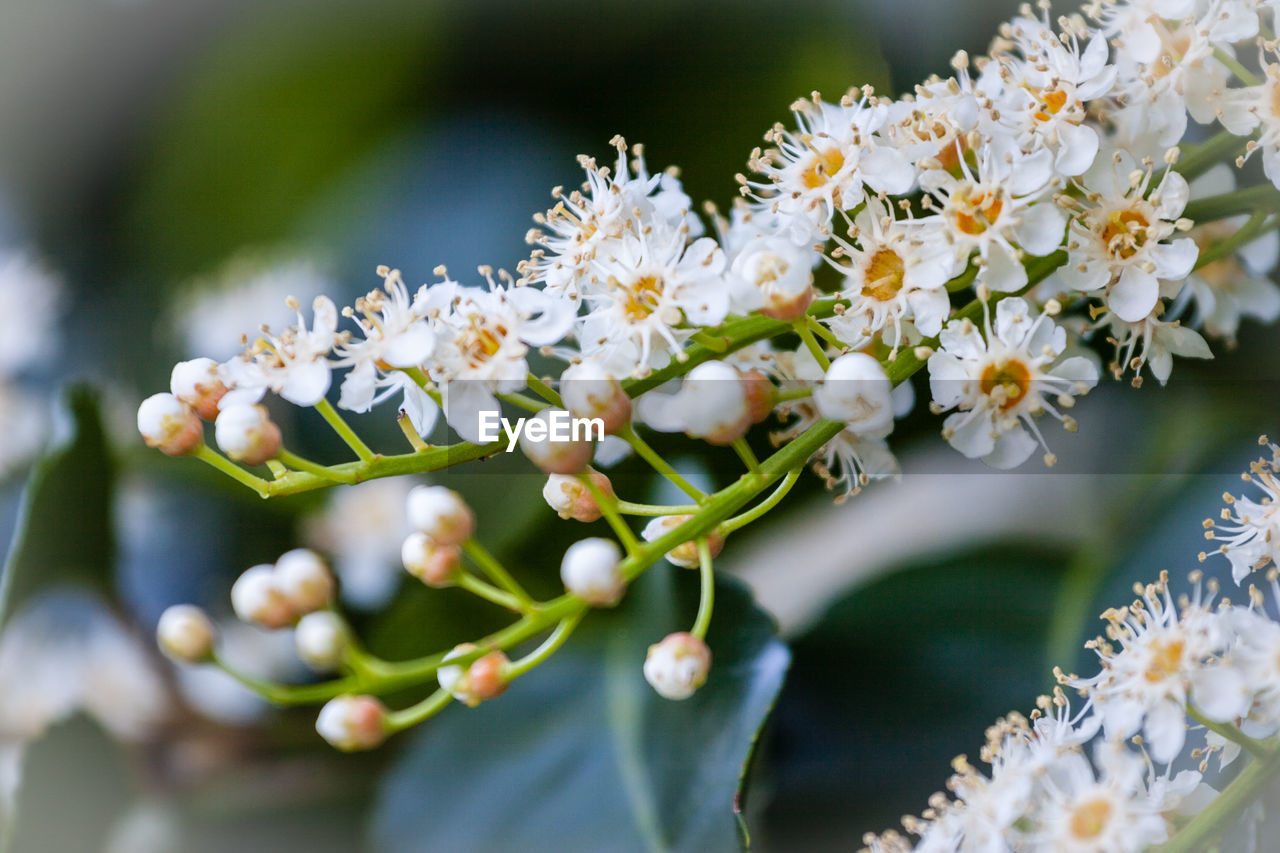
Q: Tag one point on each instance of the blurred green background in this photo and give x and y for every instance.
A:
(153, 151)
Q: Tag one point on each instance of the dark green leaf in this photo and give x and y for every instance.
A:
(582, 755)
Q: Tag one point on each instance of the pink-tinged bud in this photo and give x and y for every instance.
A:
(198, 383)
(677, 666)
(556, 443)
(589, 391)
(352, 723)
(256, 598)
(429, 561)
(714, 400)
(247, 434)
(483, 679)
(321, 639)
(685, 554)
(305, 580)
(759, 391)
(570, 497)
(786, 306)
(591, 569)
(440, 513)
(185, 633)
(169, 425)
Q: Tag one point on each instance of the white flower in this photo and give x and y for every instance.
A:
(856, 390)
(185, 633)
(30, 299)
(934, 124)
(1165, 659)
(293, 364)
(65, 651)
(653, 283)
(896, 270)
(1248, 532)
(361, 528)
(677, 666)
(1120, 239)
(482, 337)
(304, 579)
(199, 384)
(441, 513)
(395, 336)
(1043, 93)
(991, 208)
(591, 570)
(1000, 378)
(256, 598)
(1107, 811)
(824, 164)
(772, 275)
(352, 723)
(582, 224)
(1152, 342)
(1236, 285)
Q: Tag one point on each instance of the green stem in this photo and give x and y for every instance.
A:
(811, 343)
(638, 444)
(1253, 746)
(609, 509)
(1245, 76)
(1243, 791)
(398, 721)
(1263, 197)
(824, 333)
(747, 455)
(562, 632)
(423, 381)
(520, 401)
(344, 430)
(284, 694)
(293, 460)
(207, 454)
(496, 572)
(740, 521)
(1221, 147)
(629, 508)
(781, 396)
(707, 590)
(488, 592)
(545, 391)
(718, 345)
(1257, 225)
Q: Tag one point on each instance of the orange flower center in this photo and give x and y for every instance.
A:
(1089, 819)
(1166, 659)
(1125, 233)
(976, 212)
(1011, 377)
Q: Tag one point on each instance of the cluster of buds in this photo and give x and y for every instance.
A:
(442, 521)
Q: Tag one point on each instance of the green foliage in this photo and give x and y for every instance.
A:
(64, 533)
(583, 755)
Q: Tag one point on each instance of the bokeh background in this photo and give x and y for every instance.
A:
(181, 167)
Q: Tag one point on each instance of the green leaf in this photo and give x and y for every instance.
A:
(582, 755)
(64, 531)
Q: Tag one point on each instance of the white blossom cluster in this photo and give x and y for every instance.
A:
(1051, 162)
(1248, 529)
(1125, 771)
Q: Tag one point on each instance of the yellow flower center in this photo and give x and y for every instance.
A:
(822, 164)
(883, 276)
(1125, 233)
(1012, 377)
(1166, 659)
(1089, 819)
(642, 297)
(975, 212)
(480, 342)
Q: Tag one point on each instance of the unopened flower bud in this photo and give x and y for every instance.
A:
(256, 598)
(685, 554)
(714, 400)
(169, 425)
(321, 640)
(440, 513)
(589, 391)
(484, 678)
(677, 666)
(776, 276)
(247, 434)
(759, 391)
(304, 579)
(352, 723)
(856, 390)
(555, 443)
(591, 570)
(571, 498)
(429, 561)
(185, 633)
(198, 383)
